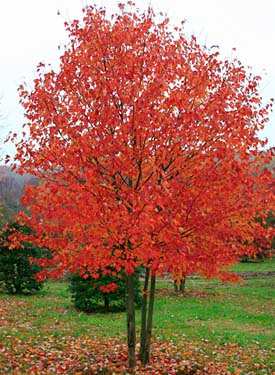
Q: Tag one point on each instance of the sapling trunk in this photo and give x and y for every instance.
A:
(182, 284)
(149, 324)
(144, 315)
(131, 324)
(180, 287)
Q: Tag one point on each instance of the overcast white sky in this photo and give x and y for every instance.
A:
(31, 30)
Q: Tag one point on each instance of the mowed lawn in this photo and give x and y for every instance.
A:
(213, 320)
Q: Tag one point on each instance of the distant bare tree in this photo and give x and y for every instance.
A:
(10, 190)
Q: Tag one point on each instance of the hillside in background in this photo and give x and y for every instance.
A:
(11, 188)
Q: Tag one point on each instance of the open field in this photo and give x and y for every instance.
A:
(225, 323)
(257, 266)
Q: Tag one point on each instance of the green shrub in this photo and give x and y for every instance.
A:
(107, 293)
(17, 272)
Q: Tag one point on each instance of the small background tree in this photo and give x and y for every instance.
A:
(103, 294)
(17, 271)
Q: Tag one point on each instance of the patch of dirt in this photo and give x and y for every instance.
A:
(169, 292)
(252, 275)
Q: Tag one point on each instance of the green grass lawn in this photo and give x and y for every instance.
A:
(210, 311)
(257, 266)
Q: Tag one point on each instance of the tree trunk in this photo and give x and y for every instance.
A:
(146, 357)
(106, 303)
(180, 288)
(131, 324)
(182, 284)
(144, 315)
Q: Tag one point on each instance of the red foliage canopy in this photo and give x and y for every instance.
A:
(147, 150)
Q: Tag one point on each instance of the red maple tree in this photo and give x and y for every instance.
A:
(146, 146)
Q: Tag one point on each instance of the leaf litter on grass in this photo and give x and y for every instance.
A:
(87, 356)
